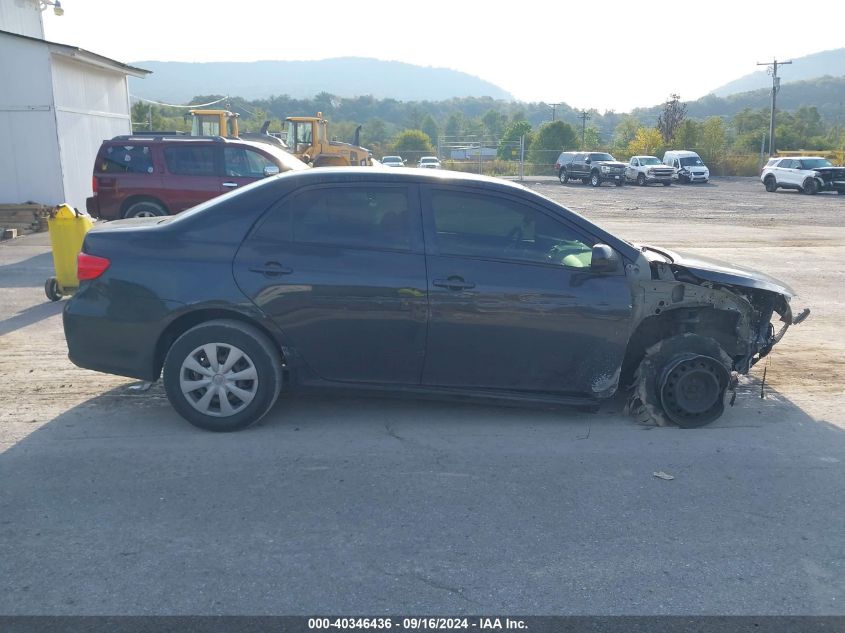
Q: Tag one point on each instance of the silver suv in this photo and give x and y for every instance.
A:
(809, 174)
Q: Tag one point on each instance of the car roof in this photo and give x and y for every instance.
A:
(359, 174)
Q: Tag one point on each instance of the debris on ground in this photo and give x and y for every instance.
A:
(661, 475)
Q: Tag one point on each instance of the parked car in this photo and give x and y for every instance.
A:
(644, 170)
(429, 162)
(393, 161)
(809, 174)
(687, 166)
(144, 176)
(591, 167)
(325, 279)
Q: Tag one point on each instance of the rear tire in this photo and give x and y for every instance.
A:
(681, 380)
(223, 375)
(811, 187)
(771, 184)
(144, 209)
(563, 176)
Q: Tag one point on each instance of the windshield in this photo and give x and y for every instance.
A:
(391, 159)
(815, 163)
(298, 135)
(601, 157)
(691, 161)
(649, 160)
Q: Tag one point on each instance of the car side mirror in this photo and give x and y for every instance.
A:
(604, 259)
(271, 170)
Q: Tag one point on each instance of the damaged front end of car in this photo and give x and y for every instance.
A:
(699, 323)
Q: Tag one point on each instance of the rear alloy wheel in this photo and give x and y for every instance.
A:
(771, 184)
(811, 187)
(595, 179)
(563, 176)
(222, 375)
(144, 209)
(641, 180)
(681, 380)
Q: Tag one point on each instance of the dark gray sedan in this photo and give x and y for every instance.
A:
(415, 282)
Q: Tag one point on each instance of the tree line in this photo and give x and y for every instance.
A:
(730, 144)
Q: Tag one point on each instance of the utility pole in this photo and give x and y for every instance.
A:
(772, 69)
(554, 106)
(584, 116)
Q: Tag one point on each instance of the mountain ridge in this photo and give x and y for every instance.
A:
(178, 82)
(815, 65)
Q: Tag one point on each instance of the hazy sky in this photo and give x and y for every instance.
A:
(604, 54)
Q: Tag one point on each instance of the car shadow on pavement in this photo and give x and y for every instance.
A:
(30, 315)
(31, 272)
(372, 505)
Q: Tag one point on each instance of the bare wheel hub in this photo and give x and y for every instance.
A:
(692, 389)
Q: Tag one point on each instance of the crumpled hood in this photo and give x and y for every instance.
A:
(838, 172)
(723, 272)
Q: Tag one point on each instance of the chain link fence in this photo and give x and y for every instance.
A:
(512, 159)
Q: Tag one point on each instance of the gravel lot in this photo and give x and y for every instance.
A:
(111, 504)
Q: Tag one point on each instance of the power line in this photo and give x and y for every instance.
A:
(170, 105)
(773, 70)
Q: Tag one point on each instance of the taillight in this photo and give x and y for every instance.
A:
(94, 185)
(90, 266)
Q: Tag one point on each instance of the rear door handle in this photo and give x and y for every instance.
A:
(231, 185)
(453, 283)
(271, 269)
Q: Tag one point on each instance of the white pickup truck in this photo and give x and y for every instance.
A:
(646, 169)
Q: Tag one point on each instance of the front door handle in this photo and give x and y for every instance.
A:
(231, 185)
(271, 269)
(453, 283)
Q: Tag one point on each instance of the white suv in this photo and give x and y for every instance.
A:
(809, 174)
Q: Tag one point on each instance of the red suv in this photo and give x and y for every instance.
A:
(138, 176)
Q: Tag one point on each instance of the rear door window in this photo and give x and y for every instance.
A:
(363, 216)
(122, 159)
(190, 160)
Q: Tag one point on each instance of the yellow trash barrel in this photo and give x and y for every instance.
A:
(67, 228)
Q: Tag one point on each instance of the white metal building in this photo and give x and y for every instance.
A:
(57, 104)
